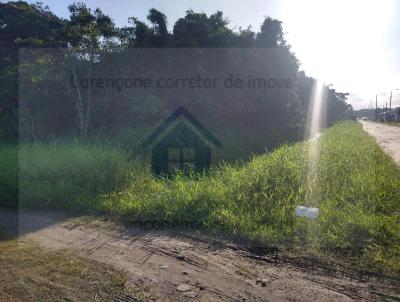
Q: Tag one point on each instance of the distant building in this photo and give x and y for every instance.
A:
(381, 117)
(181, 143)
(395, 115)
(390, 115)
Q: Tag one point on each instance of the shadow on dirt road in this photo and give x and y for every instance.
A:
(177, 266)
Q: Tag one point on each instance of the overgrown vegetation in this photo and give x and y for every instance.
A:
(356, 186)
(29, 273)
(9, 174)
(69, 176)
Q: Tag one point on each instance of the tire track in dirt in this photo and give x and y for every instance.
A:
(176, 267)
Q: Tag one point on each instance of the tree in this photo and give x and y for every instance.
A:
(89, 30)
(199, 30)
(22, 25)
(271, 34)
(88, 33)
(160, 34)
(136, 35)
(93, 45)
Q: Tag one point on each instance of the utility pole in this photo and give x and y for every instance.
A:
(376, 108)
(390, 106)
(386, 112)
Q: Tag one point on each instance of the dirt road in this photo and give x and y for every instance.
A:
(386, 136)
(183, 267)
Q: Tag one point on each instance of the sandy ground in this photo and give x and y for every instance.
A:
(183, 267)
(386, 136)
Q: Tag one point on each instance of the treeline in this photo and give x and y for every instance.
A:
(44, 103)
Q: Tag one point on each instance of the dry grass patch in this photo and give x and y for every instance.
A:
(29, 273)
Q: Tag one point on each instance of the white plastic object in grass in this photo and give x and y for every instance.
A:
(302, 211)
(315, 137)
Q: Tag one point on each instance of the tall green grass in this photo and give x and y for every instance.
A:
(354, 183)
(69, 176)
(8, 175)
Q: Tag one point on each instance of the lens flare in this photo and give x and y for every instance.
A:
(315, 122)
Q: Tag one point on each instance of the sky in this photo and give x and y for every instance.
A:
(352, 44)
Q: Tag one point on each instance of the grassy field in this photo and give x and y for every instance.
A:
(66, 176)
(69, 176)
(8, 175)
(353, 182)
(28, 273)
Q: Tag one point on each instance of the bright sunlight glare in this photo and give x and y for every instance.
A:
(315, 123)
(344, 42)
(316, 112)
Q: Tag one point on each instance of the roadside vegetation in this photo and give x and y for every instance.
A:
(66, 175)
(69, 176)
(29, 273)
(353, 182)
(9, 174)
